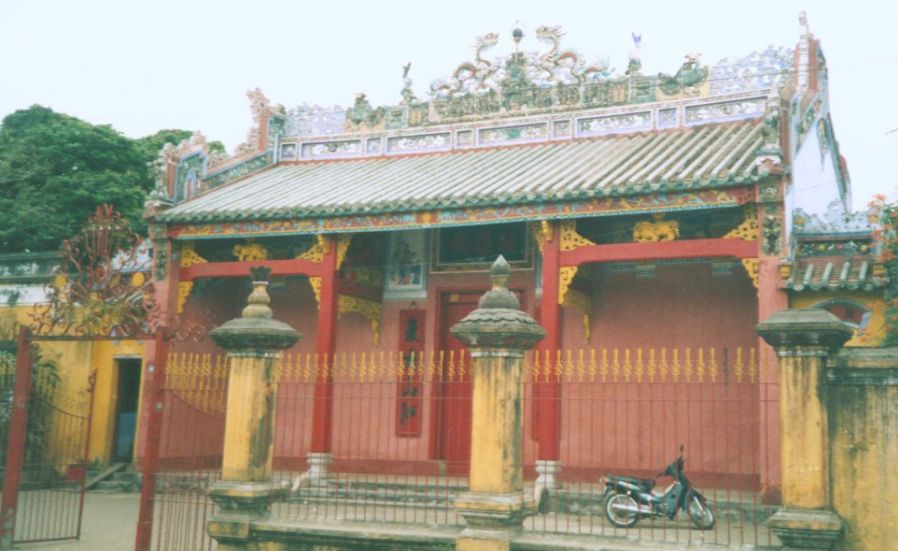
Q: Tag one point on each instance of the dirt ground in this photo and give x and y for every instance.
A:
(110, 521)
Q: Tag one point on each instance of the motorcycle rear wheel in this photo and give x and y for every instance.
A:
(618, 517)
(700, 512)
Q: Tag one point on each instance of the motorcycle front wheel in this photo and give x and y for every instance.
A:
(620, 510)
(700, 512)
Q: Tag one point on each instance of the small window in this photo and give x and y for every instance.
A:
(847, 311)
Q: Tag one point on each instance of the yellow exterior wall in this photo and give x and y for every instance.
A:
(873, 334)
(864, 439)
(75, 360)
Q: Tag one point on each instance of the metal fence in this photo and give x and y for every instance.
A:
(400, 438)
(45, 452)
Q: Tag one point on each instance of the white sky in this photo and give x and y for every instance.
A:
(147, 65)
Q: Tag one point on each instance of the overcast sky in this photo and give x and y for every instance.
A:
(143, 66)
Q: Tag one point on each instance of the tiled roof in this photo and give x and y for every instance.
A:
(856, 273)
(680, 159)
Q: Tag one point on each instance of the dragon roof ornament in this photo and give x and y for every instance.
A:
(556, 66)
(552, 78)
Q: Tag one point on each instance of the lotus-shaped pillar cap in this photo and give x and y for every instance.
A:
(256, 329)
(499, 321)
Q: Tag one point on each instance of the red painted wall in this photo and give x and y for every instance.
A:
(637, 427)
(620, 427)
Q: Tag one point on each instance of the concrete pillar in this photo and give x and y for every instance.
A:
(254, 343)
(803, 340)
(498, 334)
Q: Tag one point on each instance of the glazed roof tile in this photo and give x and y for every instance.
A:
(697, 157)
(855, 273)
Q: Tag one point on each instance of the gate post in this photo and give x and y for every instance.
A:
(254, 343)
(15, 448)
(803, 340)
(498, 334)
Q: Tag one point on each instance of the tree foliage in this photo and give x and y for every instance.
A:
(885, 214)
(55, 170)
(100, 288)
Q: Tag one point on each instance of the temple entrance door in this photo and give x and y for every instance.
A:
(454, 411)
(126, 410)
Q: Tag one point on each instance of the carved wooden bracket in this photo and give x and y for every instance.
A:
(748, 229)
(343, 242)
(570, 239)
(752, 266)
(370, 309)
(315, 282)
(189, 257)
(317, 251)
(542, 232)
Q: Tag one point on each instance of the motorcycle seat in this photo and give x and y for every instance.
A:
(645, 483)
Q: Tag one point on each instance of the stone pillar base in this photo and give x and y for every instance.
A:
(806, 528)
(493, 511)
(319, 469)
(239, 504)
(317, 475)
(546, 483)
(481, 539)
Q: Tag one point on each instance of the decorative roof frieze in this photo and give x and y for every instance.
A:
(544, 127)
(835, 221)
(550, 80)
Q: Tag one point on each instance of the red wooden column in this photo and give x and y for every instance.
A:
(149, 437)
(548, 390)
(325, 346)
(772, 297)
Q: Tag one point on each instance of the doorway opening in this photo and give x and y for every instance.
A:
(129, 370)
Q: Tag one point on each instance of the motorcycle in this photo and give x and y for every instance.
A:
(629, 499)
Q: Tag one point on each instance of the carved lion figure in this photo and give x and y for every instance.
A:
(656, 230)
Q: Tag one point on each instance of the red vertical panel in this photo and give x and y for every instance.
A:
(152, 416)
(457, 388)
(15, 451)
(410, 390)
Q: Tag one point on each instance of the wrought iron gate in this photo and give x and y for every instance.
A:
(47, 430)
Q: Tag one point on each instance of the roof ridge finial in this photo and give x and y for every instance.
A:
(499, 296)
(803, 22)
(257, 304)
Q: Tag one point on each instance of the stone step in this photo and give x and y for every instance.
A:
(386, 495)
(117, 487)
(127, 476)
(118, 478)
(105, 474)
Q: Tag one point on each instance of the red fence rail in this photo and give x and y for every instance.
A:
(398, 426)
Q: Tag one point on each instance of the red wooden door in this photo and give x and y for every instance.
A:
(454, 423)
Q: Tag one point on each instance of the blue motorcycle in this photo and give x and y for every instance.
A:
(629, 499)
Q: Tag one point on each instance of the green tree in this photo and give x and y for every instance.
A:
(55, 170)
(885, 214)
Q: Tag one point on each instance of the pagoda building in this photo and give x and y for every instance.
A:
(645, 219)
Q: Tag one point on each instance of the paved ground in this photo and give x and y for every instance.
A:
(110, 520)
(109, 525)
